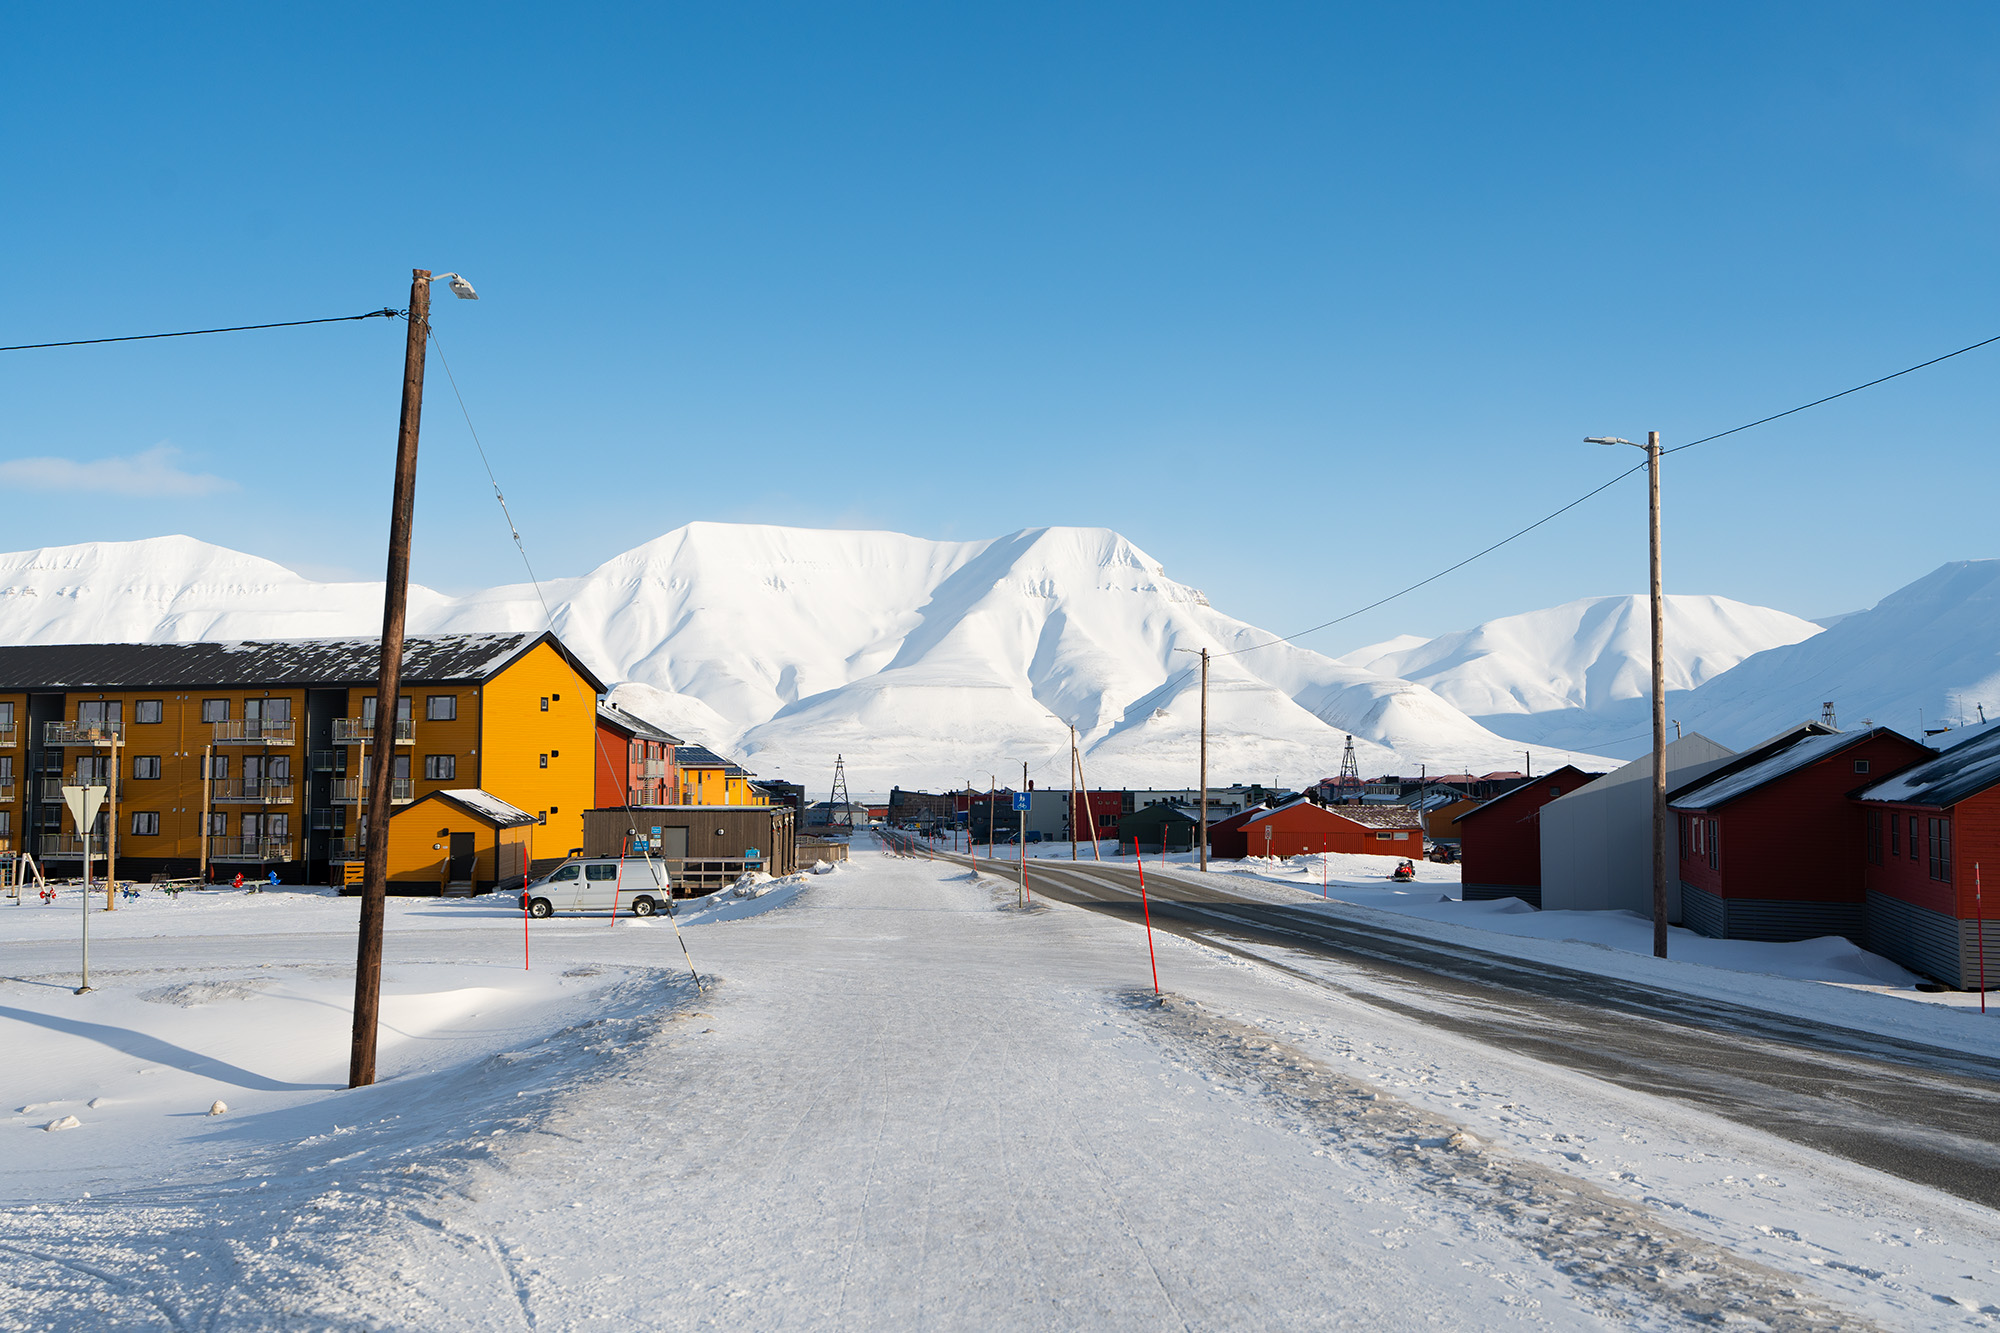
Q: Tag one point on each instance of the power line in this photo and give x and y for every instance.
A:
(384, 313)
(1638, 467)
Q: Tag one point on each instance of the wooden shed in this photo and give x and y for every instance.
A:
(462, 841)
(1771, 846)
(705, 846)
(1500, 841)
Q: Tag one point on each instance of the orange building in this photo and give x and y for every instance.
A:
(254, 756)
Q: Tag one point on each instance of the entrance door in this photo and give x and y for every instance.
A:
(464, 856)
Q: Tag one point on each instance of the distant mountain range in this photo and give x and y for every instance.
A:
(932, 663)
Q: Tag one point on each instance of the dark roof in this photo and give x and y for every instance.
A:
(1146, 816)
(1522, 786)
(1390, 815)
(434, 659)
(1788, 753)
(689, 755)
(633, 725)
(1966, 769)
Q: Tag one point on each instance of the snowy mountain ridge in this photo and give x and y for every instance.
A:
(923, 663)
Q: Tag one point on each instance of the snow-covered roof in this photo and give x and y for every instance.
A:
(244, 663)
(1372, 816)
(485, 805)
(1969, 767)
(634, 724)
(1800, 753)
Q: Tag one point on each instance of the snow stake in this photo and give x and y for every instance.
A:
(1151, 957)
(1979, 911)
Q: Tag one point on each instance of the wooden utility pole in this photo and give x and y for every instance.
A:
(1083, 780)
(1021, 832)
(1659, 703)
(207, 786)
(1204, 759)
(1073, 829)
(111, 834)
(395, 600)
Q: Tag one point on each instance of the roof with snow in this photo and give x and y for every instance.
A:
(1795, 751)
(1966, 769)
(434, 659)
(480, 805)
(1372, 816)
(633, 724)
(1523, 785)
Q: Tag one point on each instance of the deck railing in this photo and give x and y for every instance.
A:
(249, 849)
(83, 733)
(250, 791)
(255, 731)
(356, 731)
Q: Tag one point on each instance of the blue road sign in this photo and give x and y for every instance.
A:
(1021, 801)
(656, 833)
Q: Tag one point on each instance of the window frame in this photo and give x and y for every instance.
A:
(140, 762)
(440, 768)
(139, 710)
(440, 708)
(214, 710)
(141, 818)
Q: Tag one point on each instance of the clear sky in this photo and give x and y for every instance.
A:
(1308, 300)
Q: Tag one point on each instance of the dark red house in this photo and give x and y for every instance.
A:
(1500, 841)
(634, 762)
(1225, 836)
(1927, 834)
(1770, 845)
(1301, 827)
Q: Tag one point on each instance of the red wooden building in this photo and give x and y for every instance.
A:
(1770, 844)
(635, 761)
(1301, 827)
(1927, 835)
(1500, 841)
(1228, 833)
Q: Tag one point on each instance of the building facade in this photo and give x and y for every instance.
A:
(254, 756)
(1500, 841)
(635, 760)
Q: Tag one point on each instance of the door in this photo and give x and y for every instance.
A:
(600, 882)
(561, 889)
(464, 856)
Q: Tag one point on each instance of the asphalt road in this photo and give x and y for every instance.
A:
(1923, 1113)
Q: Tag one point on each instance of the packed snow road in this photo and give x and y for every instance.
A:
(1924, 1113)
(902, 1101)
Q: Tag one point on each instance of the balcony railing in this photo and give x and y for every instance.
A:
(8, 734)
(51, 788)
(250, 791)
(83, 733)
(249, 849)
(7, 792)
(69, 846)
(356, 731)
(352, 791)
(255, 731)
(346, 849)
(652, 768)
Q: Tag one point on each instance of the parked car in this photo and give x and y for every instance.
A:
(597, 884)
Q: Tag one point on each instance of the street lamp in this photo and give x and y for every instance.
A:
(1652, 448)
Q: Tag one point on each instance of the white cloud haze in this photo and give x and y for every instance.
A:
(153, 472)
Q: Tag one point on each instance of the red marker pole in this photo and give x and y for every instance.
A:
(1151, 957)
(1324, 845)
(524, 925)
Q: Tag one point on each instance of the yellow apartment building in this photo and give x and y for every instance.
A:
(706, 778)
(253, 756)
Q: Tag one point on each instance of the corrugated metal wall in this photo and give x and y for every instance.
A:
(1776, 921)
(1917, 937)
(1530, 894)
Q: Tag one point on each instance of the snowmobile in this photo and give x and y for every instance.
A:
(1404, 872)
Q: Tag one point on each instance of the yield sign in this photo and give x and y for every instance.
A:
(84, 803)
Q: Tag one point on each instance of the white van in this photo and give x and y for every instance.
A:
(595, 883)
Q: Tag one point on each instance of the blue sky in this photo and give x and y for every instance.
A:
(1306, 300)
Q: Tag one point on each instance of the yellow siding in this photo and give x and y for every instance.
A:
(514, 734)
(420, 844)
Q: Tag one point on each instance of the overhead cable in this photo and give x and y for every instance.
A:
(384, 313)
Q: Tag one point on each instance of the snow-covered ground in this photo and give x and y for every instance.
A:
(901, 1101)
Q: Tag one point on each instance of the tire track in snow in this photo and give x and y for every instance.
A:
(1618, 1254)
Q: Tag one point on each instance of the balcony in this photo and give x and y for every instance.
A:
(356, 731)
(350, 791)
(255, 731)
(346, 849)
(7, 791)
(56, 734)
(69, 847)
(250, 791)
(7, 735)
(249, 849)
(51, 789)
(652, 768)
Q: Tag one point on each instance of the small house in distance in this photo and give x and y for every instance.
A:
(1302, 827)
(1927, 834)
(1770, 848)
(1155, 829)
(1500, 841)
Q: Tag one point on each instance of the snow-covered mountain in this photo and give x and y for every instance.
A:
(923, 663)
(1580, 674)
(1927, 655)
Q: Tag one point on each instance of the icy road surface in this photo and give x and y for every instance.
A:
(903, 1102)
